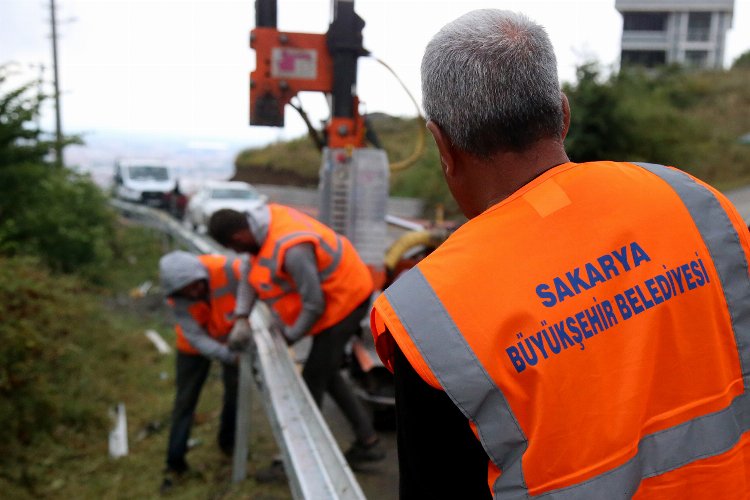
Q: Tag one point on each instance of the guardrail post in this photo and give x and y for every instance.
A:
(244, 407)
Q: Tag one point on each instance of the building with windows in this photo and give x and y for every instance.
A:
(687, 32)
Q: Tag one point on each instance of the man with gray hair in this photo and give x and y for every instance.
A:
(564, 342)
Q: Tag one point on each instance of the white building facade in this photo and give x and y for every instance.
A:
(686, 32)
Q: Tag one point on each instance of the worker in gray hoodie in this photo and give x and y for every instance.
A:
(201, 292)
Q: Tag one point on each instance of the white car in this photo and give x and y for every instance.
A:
(144, 181)
(216, 195)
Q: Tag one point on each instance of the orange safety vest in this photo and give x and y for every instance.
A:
(215, 316)
(345, 279)
(594, 328)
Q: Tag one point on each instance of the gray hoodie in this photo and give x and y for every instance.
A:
(177, 269)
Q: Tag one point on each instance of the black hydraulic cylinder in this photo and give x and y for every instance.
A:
(265, 13)
(344, 40)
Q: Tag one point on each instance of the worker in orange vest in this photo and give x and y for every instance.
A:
(586, 334)
(201, 292)
(315, 284)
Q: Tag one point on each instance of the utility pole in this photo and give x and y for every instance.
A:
(58, 122)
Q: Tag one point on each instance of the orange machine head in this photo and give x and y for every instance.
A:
(286, 63)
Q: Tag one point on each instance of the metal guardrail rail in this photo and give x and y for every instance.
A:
(309, 449)
(164, 222)
(314, 463)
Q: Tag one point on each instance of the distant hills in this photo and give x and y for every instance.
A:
(297, 161)
(194, 160)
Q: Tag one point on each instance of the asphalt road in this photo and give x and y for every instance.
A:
(379, 480)
(741, 199)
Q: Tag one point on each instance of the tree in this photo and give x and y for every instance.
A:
(599, 128)
(632, 115)
(20, 139)
(54, 214)
(743, 61)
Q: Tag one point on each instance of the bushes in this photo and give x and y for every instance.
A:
(45, 328)
(57, 215)
(691, 120)
(56, 238)
(69, 351)
(52, 213)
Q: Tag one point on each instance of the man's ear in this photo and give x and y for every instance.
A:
(566, 116)
(243, 240)
(235, 238)
(445, 148)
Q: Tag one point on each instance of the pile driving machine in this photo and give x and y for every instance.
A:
(353, 177)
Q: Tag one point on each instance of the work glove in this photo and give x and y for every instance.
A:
(241, 334)
(289, 335)
(275, 324)
(280, 328)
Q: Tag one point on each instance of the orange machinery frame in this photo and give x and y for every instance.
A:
(288, 63)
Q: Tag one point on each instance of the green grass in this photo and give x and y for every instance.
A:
(73, 351)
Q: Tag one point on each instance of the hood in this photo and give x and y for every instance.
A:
(179, 268)
(259, 218)
(244, 206)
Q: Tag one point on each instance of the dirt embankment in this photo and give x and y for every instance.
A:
(268, 174)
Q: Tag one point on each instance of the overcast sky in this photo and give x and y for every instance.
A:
(180, 68)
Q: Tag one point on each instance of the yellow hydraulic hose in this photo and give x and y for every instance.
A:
(428, 237)
(420, 145)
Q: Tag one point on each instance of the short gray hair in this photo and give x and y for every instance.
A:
(489, 80)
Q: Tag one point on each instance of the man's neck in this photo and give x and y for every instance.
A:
(505, 173)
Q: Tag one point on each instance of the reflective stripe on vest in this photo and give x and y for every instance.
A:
(231, 279)
(470, 387)
(272, 263)
(345, 280)
(216, 317)
(726, 251)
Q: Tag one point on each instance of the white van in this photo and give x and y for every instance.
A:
(144, 181)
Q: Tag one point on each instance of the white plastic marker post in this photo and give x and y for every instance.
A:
(158, 341)
(118, 436)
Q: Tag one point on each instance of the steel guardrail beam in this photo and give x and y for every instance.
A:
(309, 449)
(166, 223)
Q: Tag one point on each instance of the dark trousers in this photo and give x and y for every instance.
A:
(322, 372)
(192, 371)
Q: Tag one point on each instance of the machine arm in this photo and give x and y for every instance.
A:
(288, 63)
